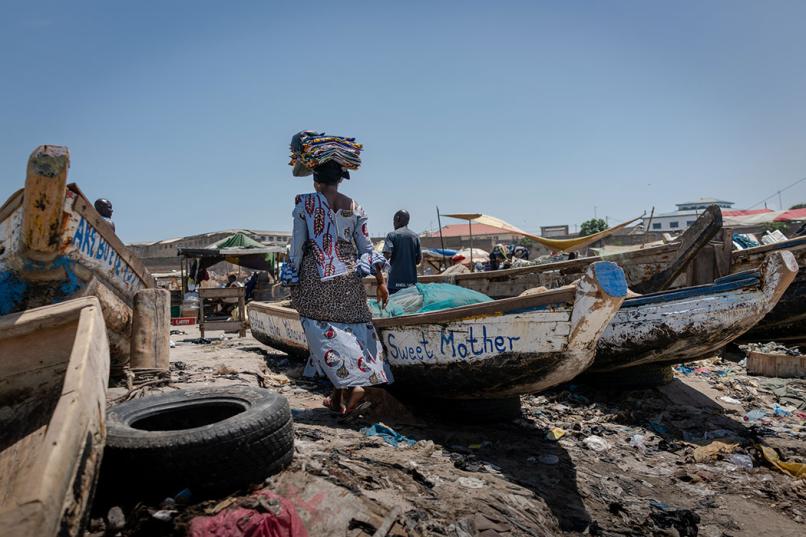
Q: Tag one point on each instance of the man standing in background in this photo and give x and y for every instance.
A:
(402, 249)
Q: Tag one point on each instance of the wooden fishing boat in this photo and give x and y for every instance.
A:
(648, 269)
(694, 322)
(490, 350)
(786, 322)
(54, 246)
(54, 365)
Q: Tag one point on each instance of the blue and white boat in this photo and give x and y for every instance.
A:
(694, 322)
(492, 350)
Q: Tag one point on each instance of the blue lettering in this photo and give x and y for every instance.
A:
(92, 234)
(393, 350)
(424, 343)
(499, 344)
(486, 339)
(462, 348)
(472, 340)
(447, 338)
(511, 339)
(117, 267)
(101, 249)
(79, 236)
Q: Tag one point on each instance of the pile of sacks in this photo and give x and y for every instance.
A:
(309, 149)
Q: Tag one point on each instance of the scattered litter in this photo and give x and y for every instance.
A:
(795, 469)
(730, 400)
(780, 411)
(389, 435)
(548, 458)
(712, 451)
(470, 482)
(741, 460)
(555, 433)
(755, 415)
(596, 443)
(115, 519)
(638, 442)
(263, 514)
(165, 515)
(172, 343)
(685, 521)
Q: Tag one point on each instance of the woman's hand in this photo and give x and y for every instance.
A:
(382, 294)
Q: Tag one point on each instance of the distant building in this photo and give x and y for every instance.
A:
(554, 231)
(685, 215)
(161, 255)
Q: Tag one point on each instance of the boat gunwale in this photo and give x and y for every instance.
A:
(796, 244)
(83, 208)
(562, 295)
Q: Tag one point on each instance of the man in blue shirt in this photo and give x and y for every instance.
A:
(402, 249)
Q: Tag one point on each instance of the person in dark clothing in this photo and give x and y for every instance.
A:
(104, 208)
(402, 248)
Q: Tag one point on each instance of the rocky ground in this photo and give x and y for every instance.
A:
(682, 459)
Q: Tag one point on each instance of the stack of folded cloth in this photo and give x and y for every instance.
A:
(310, 149)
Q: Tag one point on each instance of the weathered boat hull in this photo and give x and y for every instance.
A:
(54, 247)
(692, 323)
(54, 366)
(491, 350)
(786, 322)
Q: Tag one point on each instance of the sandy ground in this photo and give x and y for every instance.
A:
(625, 462)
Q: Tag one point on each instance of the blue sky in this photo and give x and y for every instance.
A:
(536, 112)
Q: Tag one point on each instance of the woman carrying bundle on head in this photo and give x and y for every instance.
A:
(330, 253)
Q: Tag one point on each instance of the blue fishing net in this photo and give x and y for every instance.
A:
(425, 297)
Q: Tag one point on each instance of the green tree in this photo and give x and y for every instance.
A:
(594, 225)
(798, 206)
(776, 226)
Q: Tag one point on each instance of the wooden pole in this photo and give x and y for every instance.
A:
(45, 188)
(441, 240)
(470, 227)
(151, 319)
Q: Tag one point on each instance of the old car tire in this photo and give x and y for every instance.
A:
(207, 440)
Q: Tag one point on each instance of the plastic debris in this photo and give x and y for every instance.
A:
(389, 435)
(638, 442)
(263, 514)
(741, 460)
(470, 482)
(685, 521)
(780, 411)
(115, 519)
(730, 400)
(555, 433)
(165, 515)
(755, 415)
(710, 452)
(795, 469)
(596, 443)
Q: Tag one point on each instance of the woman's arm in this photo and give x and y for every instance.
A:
(375, 260)
(299, 235)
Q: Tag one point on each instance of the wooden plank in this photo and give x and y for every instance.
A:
(222, 325)
(692, 241)
(221, 292)
(11, 204)
(45, 185)
(776, 365)
(722, 253)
